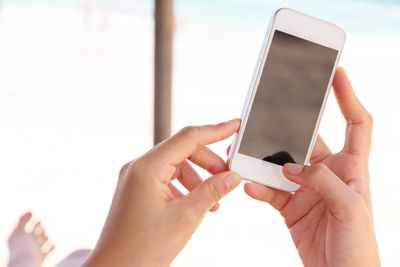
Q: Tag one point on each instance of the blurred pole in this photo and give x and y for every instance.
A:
(163, 69)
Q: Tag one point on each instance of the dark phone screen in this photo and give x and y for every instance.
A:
(288, 100)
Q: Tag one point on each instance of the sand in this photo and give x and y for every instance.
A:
(76, 104)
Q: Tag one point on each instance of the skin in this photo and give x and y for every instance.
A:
(150, 221)
(330, 216)
(28, 248)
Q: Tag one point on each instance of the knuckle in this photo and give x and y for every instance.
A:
(129, 169)
(369, 120)
(215, 193)
(138, 165)
(274, 200)
(269, 196)
(189, 132)
(318, 175)
(320, 170)
(124, 168)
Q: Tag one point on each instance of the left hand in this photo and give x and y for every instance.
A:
(150, 221)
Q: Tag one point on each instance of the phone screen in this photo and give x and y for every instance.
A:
(288, 100)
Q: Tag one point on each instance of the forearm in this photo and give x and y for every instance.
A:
(108, 258)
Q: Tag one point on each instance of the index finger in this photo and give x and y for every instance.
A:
(359, 121)
(180, 146)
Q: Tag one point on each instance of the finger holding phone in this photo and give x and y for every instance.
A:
(330, 217)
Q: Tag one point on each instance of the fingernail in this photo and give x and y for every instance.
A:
(232, 180)
(293, 169)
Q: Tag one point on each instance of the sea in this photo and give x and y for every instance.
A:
(76, 103)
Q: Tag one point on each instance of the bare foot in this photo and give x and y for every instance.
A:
(27, 248)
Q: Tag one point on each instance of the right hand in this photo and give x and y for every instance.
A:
(330, 216)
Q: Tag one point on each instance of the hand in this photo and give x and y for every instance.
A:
(150, 221)
(330, 217)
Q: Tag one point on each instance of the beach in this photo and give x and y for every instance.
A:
(76, 104)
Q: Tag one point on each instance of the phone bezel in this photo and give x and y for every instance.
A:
(308, 28)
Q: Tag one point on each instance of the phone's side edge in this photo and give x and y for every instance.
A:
(321, 112)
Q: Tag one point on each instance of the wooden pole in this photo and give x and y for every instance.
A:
(162, 68)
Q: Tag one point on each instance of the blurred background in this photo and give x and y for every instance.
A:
(76, 103)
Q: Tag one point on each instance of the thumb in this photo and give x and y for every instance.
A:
(338, 196)
(210, 191)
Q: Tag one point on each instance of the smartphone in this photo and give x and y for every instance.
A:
(286, 98)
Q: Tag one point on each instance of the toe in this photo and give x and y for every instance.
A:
(24, 219)
(49, 251)
(38, 229)
(42, 239)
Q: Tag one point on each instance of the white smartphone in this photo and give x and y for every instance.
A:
(286, 98)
